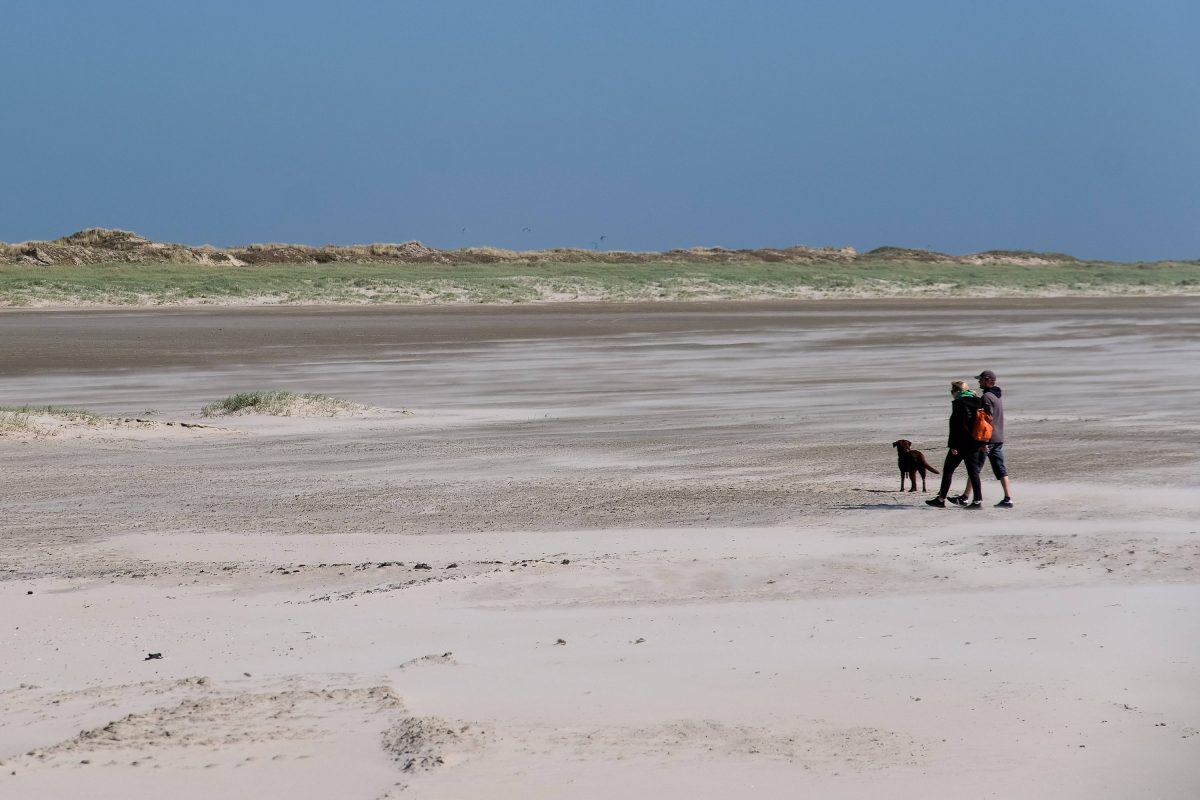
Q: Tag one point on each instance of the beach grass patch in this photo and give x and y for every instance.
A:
(29, 419)
(57, 412)
(280, 404)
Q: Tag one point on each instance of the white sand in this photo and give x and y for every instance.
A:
(708, 520)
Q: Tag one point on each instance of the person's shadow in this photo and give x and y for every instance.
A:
(880, 506)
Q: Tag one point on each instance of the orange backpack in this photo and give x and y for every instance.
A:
(981, 428)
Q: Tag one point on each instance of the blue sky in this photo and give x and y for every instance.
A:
(1069, 125)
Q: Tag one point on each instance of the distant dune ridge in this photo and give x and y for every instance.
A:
(103, 246)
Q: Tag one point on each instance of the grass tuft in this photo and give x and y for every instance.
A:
(59, 412)
(278, 403)
(23, 420)
(12, 422)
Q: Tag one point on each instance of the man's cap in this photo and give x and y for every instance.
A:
(987, 373)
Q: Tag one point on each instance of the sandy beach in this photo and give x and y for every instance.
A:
(606, 550)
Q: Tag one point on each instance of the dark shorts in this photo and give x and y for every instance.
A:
(994, 454)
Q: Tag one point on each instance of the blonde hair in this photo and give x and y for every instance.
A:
(959, 386)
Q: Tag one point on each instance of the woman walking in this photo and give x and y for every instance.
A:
(962, 446)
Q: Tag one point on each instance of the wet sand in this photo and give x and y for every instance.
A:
(699, 499)
(37, 340)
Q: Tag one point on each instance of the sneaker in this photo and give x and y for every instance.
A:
(936, 502)
(1005, 503)
(960, 500)
(976, 506)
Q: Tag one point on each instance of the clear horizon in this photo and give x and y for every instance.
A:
(1071, 127)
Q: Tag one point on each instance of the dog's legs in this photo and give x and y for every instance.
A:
(912, 481)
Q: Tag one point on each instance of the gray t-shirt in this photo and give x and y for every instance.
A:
(995, 406)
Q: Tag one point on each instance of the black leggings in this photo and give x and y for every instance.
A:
(965, 454)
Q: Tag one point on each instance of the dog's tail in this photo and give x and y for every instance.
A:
(931, 469)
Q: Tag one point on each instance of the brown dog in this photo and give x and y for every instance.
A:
(911, 462)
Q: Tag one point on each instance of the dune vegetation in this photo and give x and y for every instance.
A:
(280, 404)
(112, 267)
(188, 284)
(30, 420)
(58, 412)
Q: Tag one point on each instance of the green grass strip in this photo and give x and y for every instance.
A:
(173, 284)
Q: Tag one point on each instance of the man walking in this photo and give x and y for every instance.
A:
(994, 452)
